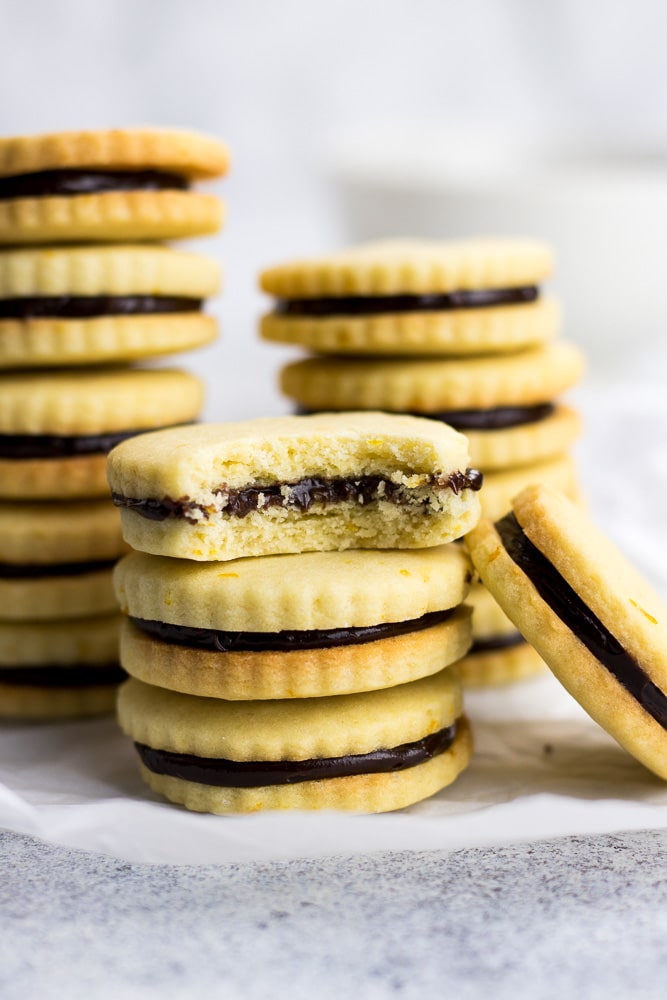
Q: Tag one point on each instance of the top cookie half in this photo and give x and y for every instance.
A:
(409, 297)
(295, 484)
(116, 184)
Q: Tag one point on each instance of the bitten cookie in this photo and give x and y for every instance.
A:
(598, 625)
(294, 484)
(58, 669)
(368, 752)
(293, 626)
(56, 428)
(409, 297)
(504, 405)
(88, 305)
(499, 653)
(117, 184)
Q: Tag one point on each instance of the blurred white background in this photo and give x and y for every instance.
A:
(363, 117)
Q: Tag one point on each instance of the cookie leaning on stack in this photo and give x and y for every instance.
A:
(285, 680)
(592, 617)
(64, 309)
(458, 332)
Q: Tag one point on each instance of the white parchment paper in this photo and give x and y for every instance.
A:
(541, 766)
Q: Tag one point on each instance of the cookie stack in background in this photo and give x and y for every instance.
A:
(82, 295)
(457, 332)
(294, 610)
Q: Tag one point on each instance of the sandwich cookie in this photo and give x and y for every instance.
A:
(57, 559)
(116, 184)
(368, 752)
(56, 428)
(293, 626)
(499, 654)
(294, 484)
(598, 625)
(91, 305)
(504, 405)
(58, 669)
(410, 297)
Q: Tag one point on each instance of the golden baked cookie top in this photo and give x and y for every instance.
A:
(412, 267)
(174, 150)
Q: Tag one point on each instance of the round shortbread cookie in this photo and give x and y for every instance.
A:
(294, 484)
(77, 591)
(117, 215)
(58, 411)
(599, 626)
(500, 487)
(299, 673)
(431, 386)
(412, 267)
(179, 151)
(46, 343)
(458, 331)
(47, 534)
(312, 590)
(99, 200)
(122, 270)
(300, 731)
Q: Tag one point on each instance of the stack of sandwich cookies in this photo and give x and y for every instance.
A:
(596, 622)
(458, 333)
(298, 653)
(79, 299)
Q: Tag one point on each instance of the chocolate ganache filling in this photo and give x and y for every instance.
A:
(285, 640)
(69, 182)
(582, 622)
(61, 677)
(257, 773)
(372, 305)
(300, 495)
(26, 446)
(494, 419)
(23, 571)
(90, 306)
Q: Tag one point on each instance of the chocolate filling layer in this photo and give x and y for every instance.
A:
(23, 571)
(25, 446)
(369, 305)
(497, 642)
(258, 773)
(90, 306)
(300, 495)
(69, 182)
(79, 676)
(496, 418)
(285, 640)
(582, 622)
